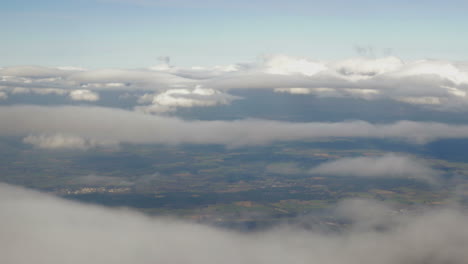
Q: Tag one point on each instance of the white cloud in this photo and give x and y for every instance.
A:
(299, 90)
(44, 91)
(386, 166)
(3, 95)
(285, 65)
(41, 229)
(172, 99)
(443, 69)
(135, 127)
(40, 91)
(330, 92)
(84, 95)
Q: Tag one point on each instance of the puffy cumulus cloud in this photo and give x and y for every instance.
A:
(59, 141)
(84, 95)
(389, 165)
(38, 228)
(172, 99)
(135, 127)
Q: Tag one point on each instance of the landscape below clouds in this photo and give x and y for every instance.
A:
(281, 160)
(234, 132)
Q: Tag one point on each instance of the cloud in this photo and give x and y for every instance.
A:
(360, 68)
(367, 214)
(134, 127)
(330, 92)
(59, 141)
(3, 95)
(37, 72)
(38, 228)
(172, 99)
(438, 84)
(84, 95)
(40, 91)
(285, 65)
(386, 166)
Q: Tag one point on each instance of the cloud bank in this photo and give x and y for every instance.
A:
(438, 84)
(110, 126)
(42, 229)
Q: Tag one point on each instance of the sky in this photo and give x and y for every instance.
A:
(135, 33)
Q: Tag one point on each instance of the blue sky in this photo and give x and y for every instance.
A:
(126, 33)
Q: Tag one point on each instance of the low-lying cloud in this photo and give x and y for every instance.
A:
(386, 166)
(110, 126)
(38, 228)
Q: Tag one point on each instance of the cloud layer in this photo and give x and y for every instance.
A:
(42, 229)
(110, 126)
(438, 84)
